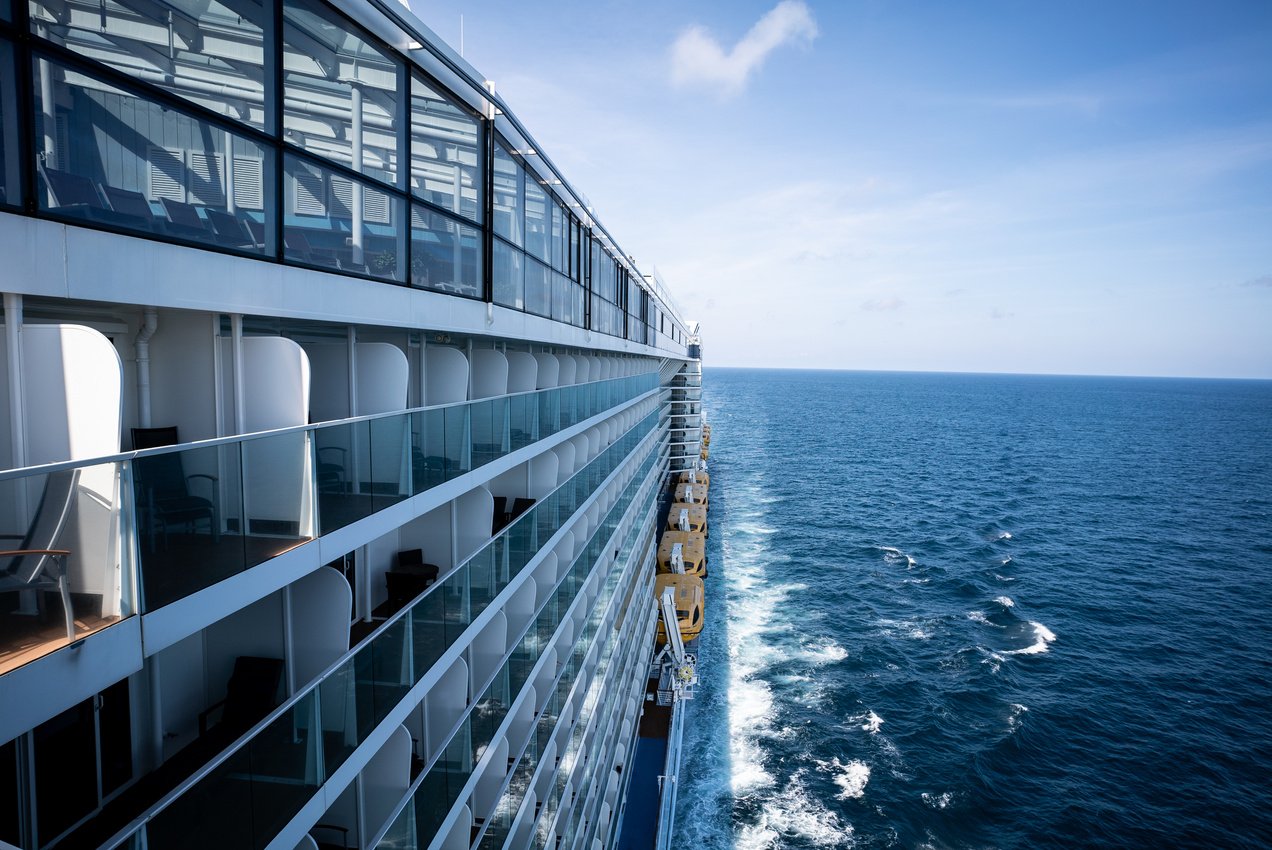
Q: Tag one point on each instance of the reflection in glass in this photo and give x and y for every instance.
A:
(507, 272)
(209, 52)
(109, 156)
(537, 223)
(341, 99)
(9, 193)
(538, 292)
(321, 230)
(509, 180)
(445, 147)
(445, 255)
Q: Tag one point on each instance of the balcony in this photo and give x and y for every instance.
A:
(116, 536)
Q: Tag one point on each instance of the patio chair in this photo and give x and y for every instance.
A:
(164, 488)
(229, 231)
(251, 693)
(35, 564)
(184, 220)
(134, 208)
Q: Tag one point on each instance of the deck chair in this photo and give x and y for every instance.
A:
(73, 191)
(183, 219)
(35, 564)
(134, 207)
(164, 489)
(251, 693)
(229, 231)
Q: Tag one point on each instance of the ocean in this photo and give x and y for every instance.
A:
(975, 611)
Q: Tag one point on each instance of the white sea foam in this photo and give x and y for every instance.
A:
(1005, 561)
(893, 555)
(977, 617)
(1004, 535)
(755, 528)
(851, 777)
(826, 652)
(1044, 637)
(1014, 716)
(938, 801)
(1005, 601)
(912, 629)
(793, 813)
(870, 722)
(1004, 578)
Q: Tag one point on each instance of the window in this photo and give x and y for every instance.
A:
(537, 221)
(9, 186)
(211, 53)
(509, 277)
(340, 91)
(445, 153)
(445, 254)
(538, 288)
(322, 229)
(109, 156)
(509, 184)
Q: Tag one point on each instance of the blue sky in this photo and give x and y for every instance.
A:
(1079, 187)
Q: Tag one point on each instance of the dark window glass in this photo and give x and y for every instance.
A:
(509, 183)
(537, 224)
(65, 770)
(10, 801)
(509, 278)
(9, 193)
(538, 288)
(342, 223)
(5, 11)
(340, 91)
(445, 255)
(210, 52)
(110, 156)
(445, 153)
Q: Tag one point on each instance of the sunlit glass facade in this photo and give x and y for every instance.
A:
(287, 132)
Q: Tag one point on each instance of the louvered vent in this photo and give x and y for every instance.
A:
(166, 171)
(249, 183)
(207, 179)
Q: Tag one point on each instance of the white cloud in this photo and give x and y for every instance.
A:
(697, 58)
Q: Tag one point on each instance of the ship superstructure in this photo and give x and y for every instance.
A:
(335, 428)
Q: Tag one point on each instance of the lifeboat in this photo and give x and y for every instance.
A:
(695, 476)
(691, 493)
(689, 604)
(687, 517)
(690, 546)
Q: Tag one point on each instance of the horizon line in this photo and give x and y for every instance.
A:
(981, 372)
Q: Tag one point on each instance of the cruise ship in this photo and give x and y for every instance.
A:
(338, 436)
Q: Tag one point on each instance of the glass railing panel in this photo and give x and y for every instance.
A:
(389, 471)
(428, 633)
(549, 411)
(215, 814)
(341, 462)
(278, 495)
(456, 611)
(489, 712)
(457, 441)
(286, 770)
(487, 439)
(343, 726)
(62, 560)
(482, 586)
(429, 466)
(523, 416)
(384, 675)
(191, 529)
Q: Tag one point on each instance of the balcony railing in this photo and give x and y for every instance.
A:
(134, 532)
(277, 767)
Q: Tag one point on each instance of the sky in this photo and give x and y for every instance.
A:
(1074, 188)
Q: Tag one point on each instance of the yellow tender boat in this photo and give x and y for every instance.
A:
(695, 514)
(693, 551)
(689, 604)
(700, 477)
(691, 493)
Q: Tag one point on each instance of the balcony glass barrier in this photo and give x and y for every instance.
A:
(337, 712)
(420, 819)
(9, 193)
(206, 513)
(65, 568)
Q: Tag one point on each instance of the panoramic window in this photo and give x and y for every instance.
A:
(445, 254)
(323, 230)
(538, 288)
(340, 91)
(112, 157)
(445, 153)
(537, 220)
(506, 268)
(209, 52)
(9, 193)
(509, 181)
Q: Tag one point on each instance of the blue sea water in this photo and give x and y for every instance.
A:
(966, 611)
